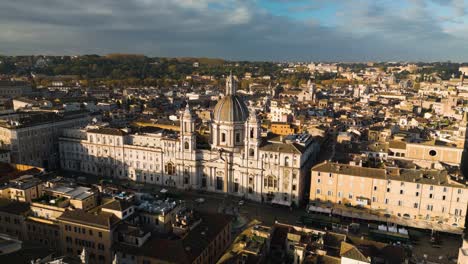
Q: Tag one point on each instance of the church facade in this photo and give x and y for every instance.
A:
(238, 162)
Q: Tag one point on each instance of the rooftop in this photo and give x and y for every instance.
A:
(185, 249)
(96, 219)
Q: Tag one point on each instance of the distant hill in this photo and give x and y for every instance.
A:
(203, 61)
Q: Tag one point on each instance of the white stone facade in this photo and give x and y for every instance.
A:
(240, 165)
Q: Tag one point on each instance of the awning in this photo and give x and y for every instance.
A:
(278, 200)
(318, 209)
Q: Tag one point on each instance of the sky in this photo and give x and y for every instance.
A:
(272, 30)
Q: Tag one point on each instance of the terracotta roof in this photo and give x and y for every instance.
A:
(117, 205)
(350, 170)
(282, 147)
(396, 144)
(108, 131)
(183, 250)
(98, 219)
(349, 251)
(13, 207)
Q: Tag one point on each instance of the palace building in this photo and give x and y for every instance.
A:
(237, 161)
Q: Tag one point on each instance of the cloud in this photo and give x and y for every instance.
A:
(233, 29)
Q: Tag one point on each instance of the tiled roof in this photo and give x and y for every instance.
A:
(97, 219)
(108, 131)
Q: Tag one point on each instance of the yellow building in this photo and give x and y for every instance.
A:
(283, 129)
(417, 194)
(93, 231)
(23, 189)
(78, 197)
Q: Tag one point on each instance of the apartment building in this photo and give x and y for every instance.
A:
(23, 189)
(280, 112)
(32, 137)
(418, 194)
(14, 88)
(204, 243)
(283, 129)
(12, 218)
(90, 230)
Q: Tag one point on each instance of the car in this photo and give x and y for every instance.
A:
(241, 202)
(200, 200)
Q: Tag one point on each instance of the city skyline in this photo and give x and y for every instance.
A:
(272, 30)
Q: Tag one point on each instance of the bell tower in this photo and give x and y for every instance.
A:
(252, 135)
(187, 130)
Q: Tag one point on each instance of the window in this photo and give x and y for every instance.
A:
(415, 205)
(432, 153)
(330, 193)
(388, 189)
(429, 207)
(251, 152)
(417, 193)
(318, 191)
(401, 191)
(443, 197)
(223, 137)
(286, 161)
(270, 182)
(170, 168)
(318, 180)
(386, 201)
(375, 188)
(251, 133)
(219, 183)
(430, 195)
(293, 187)
(400, 203)
(186, 145)
(204, 182)
(238, 140)
(100, 234)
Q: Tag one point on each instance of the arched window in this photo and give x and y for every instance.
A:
(170, 168)
(251, 133)
(251, 152)
(186, 145)
(286, 161)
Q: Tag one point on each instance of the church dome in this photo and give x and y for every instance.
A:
(230, 108)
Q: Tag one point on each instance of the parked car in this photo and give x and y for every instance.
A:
(200, 200)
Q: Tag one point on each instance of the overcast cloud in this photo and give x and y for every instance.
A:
(354, 30)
